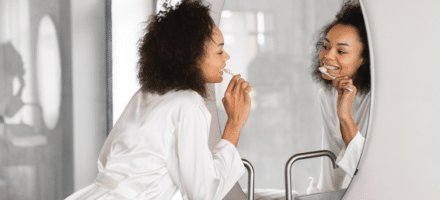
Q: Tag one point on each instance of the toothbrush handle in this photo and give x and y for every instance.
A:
(228, 72)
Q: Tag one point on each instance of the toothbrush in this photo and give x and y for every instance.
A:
(228, 71)
(324, 71)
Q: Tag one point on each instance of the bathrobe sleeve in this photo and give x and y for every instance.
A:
(350, 155)
(330, 179)
(204, 174)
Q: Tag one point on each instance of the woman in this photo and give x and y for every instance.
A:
(159, 145)
(343, 53)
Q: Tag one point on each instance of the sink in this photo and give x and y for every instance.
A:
(332, 195)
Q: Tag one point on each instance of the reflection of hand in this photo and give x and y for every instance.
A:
(237, 103)
(344, 105)
(345, 96)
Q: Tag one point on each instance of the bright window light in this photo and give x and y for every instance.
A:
(260, 22)
(227, 14)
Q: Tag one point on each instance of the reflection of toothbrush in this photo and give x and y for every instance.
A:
(228, 71)
(324, 71)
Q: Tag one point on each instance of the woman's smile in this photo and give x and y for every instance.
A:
(332, 67)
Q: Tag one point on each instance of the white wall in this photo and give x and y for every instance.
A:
(88, 68)
(128, 25)
(401, 159)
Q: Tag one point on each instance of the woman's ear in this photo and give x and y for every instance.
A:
(361, 61)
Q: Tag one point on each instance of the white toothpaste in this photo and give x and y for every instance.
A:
(324, 71)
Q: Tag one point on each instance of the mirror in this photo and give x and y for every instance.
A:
(33, 129)
(49, 72)
(271, 44)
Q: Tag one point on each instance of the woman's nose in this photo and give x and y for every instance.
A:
(329, 55)
(227, 56)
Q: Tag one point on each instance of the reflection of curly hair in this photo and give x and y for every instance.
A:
(173, 48)
(350, 14)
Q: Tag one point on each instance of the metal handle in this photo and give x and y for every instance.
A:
(251, 175)
(301, 156)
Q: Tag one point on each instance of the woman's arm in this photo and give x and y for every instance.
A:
(353, 140)
(350, 155)
(204, 174)
(344, 106)
(348, 129)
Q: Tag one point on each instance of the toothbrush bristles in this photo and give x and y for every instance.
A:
(324, 71)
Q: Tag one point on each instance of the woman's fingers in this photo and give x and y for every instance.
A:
(246, 93)
(336, 82)
(248, 89)
(344, 84)
(237, 100)
(341, 82)
(238, 87)
(346, 98)
(244, 84)
(232, 84)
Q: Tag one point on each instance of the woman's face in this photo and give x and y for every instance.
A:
(341, 52)
(215, 58)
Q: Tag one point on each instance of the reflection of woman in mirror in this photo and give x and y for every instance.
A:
(343, 55)
(159, 144)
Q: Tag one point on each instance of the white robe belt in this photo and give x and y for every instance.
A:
(112, 184)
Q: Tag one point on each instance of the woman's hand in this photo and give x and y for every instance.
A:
(344, 105)
(345, 96)
(237, 103)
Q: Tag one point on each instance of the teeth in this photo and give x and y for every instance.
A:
(330, 67)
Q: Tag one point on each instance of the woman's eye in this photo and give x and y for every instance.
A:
(342, 52)
(220, 53)
(324, 47)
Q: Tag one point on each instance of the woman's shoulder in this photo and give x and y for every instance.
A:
(174, 96)
(185, 96)
(329, 94)
(364, 98)
(183, 99)
(326, 94)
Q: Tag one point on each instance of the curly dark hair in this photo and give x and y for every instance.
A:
(173, 47)
(350, 14)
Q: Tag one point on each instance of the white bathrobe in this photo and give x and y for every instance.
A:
(158, 146)
(347, 157)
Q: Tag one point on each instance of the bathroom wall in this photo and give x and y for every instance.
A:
(89, 86)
